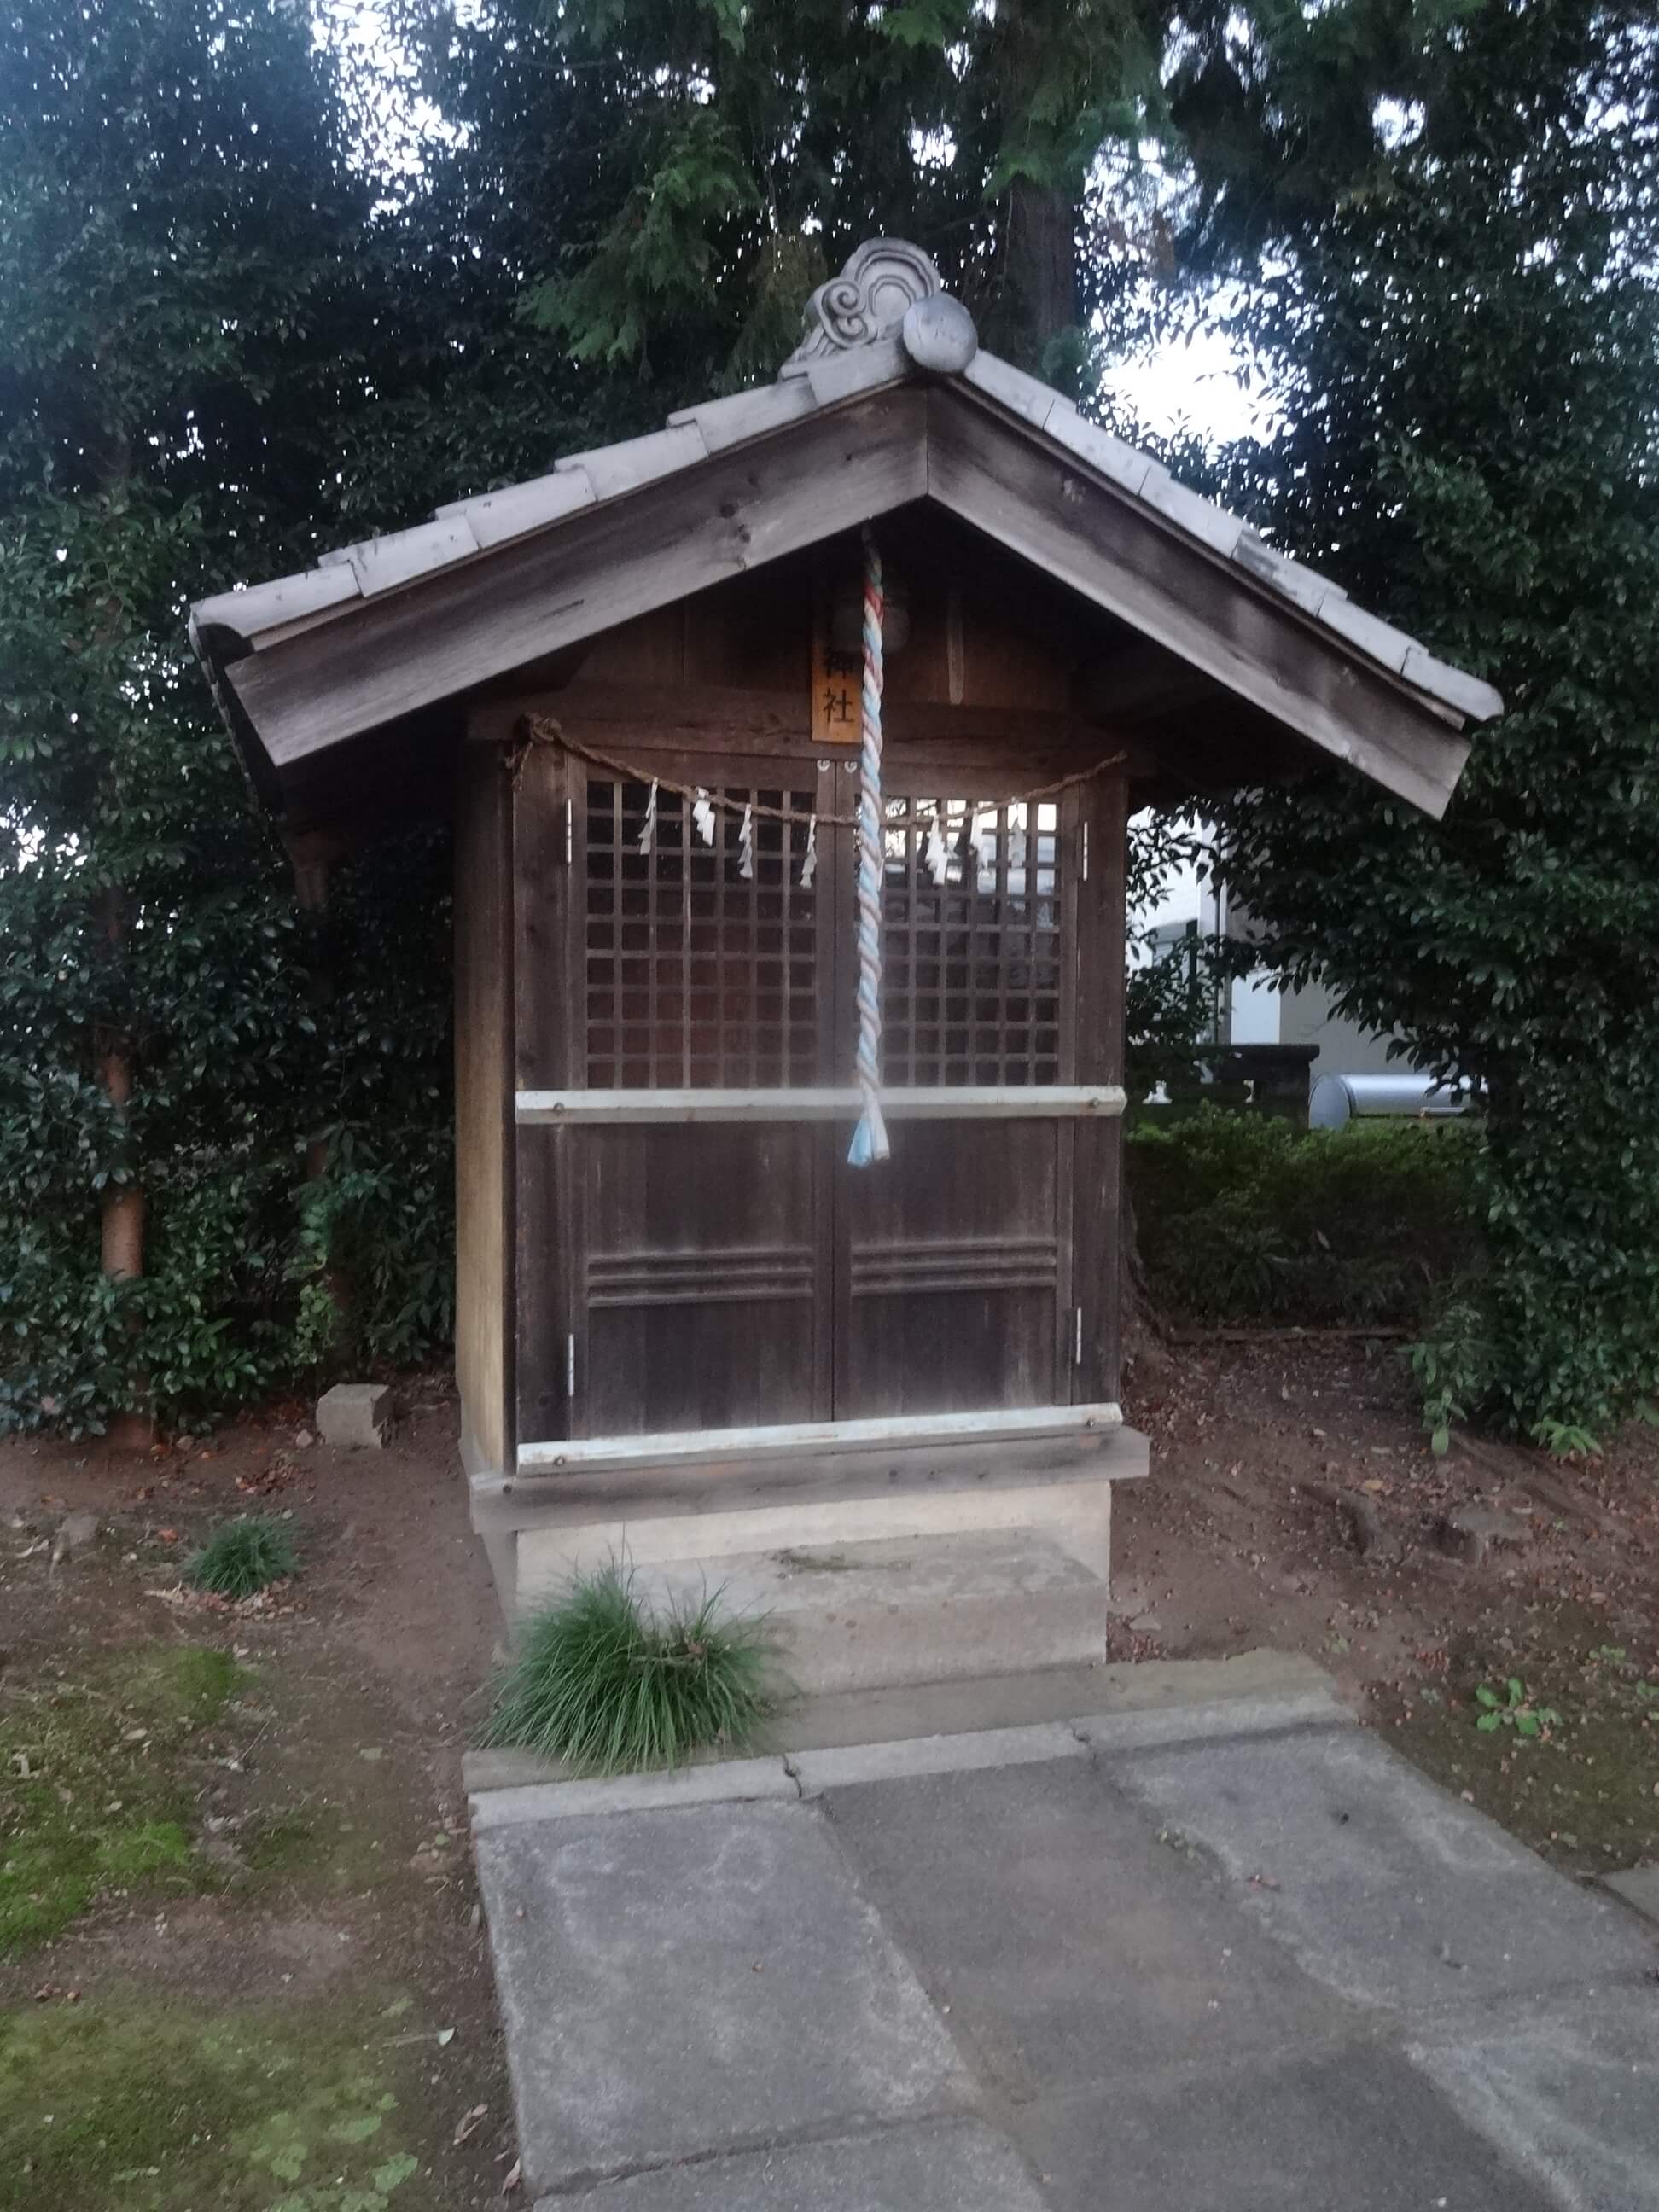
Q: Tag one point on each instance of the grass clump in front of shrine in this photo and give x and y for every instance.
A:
(602, 1685)
(242, 1558)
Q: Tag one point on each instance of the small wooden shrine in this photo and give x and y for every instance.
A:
(693, 885)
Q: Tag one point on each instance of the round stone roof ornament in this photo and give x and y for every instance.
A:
(939, 334)
(884, 278)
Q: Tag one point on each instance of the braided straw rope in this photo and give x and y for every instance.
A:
(870, 1138)
(544, 729)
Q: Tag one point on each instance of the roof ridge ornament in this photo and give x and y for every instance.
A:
(883, 279)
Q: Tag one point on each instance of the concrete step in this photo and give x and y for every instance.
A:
(1122, 1705)
(539, 1534)
(906, 1609)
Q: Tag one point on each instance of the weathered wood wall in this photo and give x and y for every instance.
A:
(599, 1228)
(484, 1132)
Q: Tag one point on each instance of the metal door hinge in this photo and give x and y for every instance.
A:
(1085, 871)
(1077, 1336)
(570, 1364)
(569, 831)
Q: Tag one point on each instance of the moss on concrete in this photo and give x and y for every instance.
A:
(92, 1799)
(150, 2107)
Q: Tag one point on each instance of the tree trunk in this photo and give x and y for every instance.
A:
(1040, 268)
(313, 857)
(1140, 1331)
(1038, 297)
(310, 895)
(132, 1429)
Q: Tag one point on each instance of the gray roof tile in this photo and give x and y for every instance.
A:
(745, 415)
(494, 516)
(1304, 587)
(824, 375)
(1375, 637)
(860, 369)
(1213, 525)
(613, 469)
(1467, 693)
(1122, 465)
(261, 607)
(379, 564)
(1012, 388)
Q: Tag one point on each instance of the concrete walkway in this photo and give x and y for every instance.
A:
(1219, 1954)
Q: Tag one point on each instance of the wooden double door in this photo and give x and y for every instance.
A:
(719, 1264)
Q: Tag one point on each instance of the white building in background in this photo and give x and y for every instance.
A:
(1249, 1010)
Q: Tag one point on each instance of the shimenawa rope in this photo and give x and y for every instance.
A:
(870, 1138)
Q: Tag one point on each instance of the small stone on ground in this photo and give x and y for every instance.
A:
(76, 1532)
(355, 1416)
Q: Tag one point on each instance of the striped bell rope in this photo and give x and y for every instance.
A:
(870, 1138)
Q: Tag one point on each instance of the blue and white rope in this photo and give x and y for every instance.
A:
(870, 1138)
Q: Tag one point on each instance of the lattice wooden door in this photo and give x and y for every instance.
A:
(700, 1278)
(953, 1267)
(736, 1274)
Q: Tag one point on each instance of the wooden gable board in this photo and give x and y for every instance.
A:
(465, 624)
(448, 633)
(1114, 551)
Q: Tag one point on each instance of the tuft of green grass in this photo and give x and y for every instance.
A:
(601, 1685)
(241, 1558)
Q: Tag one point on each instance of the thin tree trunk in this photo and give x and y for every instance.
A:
(1141, 1332)
(313, 857)
(311, 895)
(133, 1428)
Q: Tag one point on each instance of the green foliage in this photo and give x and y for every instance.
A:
(1241, 1219)
(973, 130)
(241, 1558)
(600, 1684)
(655, 260)
(1511, 1708)
(1170, 1002)
(1453, 1365)
(92, 1799)
(188, 303)
(1465, 345)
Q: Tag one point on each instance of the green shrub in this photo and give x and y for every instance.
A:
(241, 1558)
(1241, 1218)
(600, 1684)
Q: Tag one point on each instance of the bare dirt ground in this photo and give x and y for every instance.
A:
(302, 2014)
(1294, 1503)
(270, 1992)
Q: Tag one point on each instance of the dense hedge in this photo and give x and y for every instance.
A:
(258, 1276)
(1243, 1218)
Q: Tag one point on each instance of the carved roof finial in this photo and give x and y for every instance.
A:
(883, 278)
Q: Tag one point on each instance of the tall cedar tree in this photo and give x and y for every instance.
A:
(738, 149)
(1467, 351)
